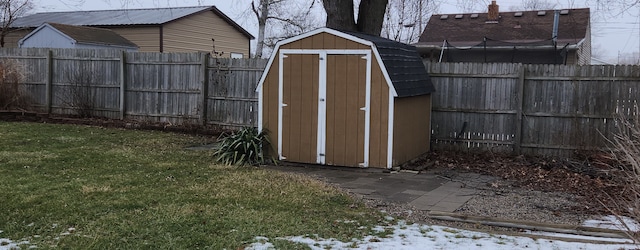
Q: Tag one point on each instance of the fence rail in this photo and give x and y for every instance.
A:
(161, 87)
(530, 109)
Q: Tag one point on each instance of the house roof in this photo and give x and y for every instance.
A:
(521, 27)
(401, 64)
(87, 35)
(156, 16)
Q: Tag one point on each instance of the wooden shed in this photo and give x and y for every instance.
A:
(345, 99)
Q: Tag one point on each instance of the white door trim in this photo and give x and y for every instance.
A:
(322, 109)
(281, 104)
(367, 112)
(390, 131)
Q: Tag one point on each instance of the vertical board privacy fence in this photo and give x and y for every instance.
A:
(175, 88)
(530, 109)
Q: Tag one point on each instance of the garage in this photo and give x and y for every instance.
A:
(345, 99)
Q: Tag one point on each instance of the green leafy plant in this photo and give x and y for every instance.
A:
(242, 147)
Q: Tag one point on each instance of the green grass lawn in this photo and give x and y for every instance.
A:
(126, 189)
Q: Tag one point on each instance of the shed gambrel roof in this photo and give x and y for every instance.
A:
(404, 65)
(123, 17)
(401, 64)
(87, 35)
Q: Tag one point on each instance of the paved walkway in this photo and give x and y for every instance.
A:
(431, 190)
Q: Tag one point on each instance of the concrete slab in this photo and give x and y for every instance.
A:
(402, 197)
(457, 199)
(363, 181)
(362, 191)
(414, 192)
(446, 206)
(389, 191)
(425, 191)
(424, 202)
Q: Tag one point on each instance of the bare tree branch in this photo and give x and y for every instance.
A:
(9, 11)
(406, 19)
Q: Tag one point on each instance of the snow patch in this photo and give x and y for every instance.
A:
(262, 243)
(7, 244)
(417, 236)
(613, 222)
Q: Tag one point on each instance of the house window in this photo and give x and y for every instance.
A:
(236, 55)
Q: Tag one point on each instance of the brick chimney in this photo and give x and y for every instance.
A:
(494, 12)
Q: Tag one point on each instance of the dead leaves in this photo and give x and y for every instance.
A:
(588, 178)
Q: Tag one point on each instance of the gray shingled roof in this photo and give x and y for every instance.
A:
(119, 17)
(88, 35)
(404, 65)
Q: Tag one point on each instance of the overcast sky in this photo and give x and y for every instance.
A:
(612, 35)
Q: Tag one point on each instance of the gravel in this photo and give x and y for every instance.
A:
(497, 199)
(518, 204)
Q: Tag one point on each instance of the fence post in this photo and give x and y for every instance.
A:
(205, 84)
(123, 84)
(517, 143)
(49, 81)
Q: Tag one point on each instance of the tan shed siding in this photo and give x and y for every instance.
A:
(194, 33)
(379, 125)
(346, 94)
(270, 107)
(324, 41)
(300, 117)
(11, 40)
(411, 128)
(147, 38)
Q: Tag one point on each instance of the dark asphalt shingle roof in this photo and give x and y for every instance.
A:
(526, 27)
(89, 35)
(404, 65)
(155, 16)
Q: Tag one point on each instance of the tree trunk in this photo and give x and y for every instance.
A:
(371, 16)
(262, 14)
(340, 14)
(260, 42)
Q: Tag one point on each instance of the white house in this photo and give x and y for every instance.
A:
(54, 35)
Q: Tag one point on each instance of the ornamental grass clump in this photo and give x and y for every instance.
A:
(626, 154)
(242, 147)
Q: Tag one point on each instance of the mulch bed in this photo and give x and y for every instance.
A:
(592, 176)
